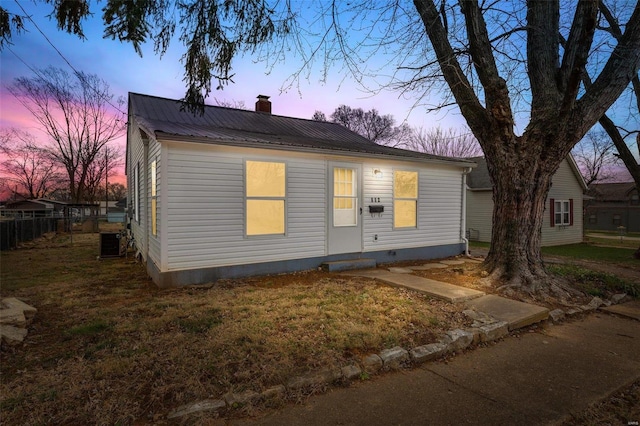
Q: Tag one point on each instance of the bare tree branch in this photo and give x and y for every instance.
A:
(28, 167)
(74, 112)
(595, 158)
(446, 143)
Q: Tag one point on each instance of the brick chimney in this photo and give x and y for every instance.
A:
(263, 104)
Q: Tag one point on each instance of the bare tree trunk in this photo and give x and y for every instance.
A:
(521, 167)
(515, 256)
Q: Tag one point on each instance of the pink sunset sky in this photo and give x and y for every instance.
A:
(126, 71)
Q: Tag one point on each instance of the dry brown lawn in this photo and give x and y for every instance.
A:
(108, 347)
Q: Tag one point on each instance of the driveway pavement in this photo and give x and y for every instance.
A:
(529, 379)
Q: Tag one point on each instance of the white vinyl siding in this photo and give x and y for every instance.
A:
(205, 207)
(154, 239)
(439, 207)
(154, 199)
(135, 176)
(565, 186)
(136, 192)
(206, 202)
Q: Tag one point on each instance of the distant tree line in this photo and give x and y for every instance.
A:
(382, 129)
(78, 116)
(596, 154)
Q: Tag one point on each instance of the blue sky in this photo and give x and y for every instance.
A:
(126, 71)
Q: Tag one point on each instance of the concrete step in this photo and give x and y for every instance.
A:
(450, 293)
(346, 265)
(629, 309)
(516, 314)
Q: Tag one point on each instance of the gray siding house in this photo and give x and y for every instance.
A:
(234, 193)
(612, 206)
(562, 223)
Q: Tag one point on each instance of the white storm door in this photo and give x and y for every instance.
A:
(345, 212)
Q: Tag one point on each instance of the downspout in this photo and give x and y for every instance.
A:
(463, 216)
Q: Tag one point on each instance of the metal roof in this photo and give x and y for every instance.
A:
(167, 119)
(614, 191)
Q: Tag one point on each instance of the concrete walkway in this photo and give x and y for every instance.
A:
(629, 309)
(532, 379)
(516, 314)
(437, 289)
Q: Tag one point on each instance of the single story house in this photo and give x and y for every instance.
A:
(233, 193)
(31, 208)
(613, 205)
(562, 223)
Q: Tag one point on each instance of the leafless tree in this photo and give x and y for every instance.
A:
(319, 116)
(103, 167)
(504, 65)
(230, 103)
(449, 143)
(31, 172)
(76, 111)
(617, 133)
(380, 129)
(595, 158)
(117, 191)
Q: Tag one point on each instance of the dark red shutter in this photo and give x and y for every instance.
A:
(552, 206)
(570, 211)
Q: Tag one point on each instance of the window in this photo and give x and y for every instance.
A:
(635, 200)
(154, 199)
(136, 192)
(265, 185)
(561, 212)
(617, 220)
(345, 201)
(405, 199)
(593, 219)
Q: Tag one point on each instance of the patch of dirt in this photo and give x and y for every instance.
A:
(471, 274)
(621, 408)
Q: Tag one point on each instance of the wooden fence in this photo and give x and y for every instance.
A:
(16, 231)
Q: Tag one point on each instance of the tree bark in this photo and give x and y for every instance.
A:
(519, 194)
(521, 167)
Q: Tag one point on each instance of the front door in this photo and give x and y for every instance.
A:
(345, 209)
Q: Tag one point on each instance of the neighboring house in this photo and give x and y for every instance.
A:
(611, 206)
(105, 207)
(235, 193)
(29, 208)
(43, 207)
(113, 211)
(58, 206)
(562, 222)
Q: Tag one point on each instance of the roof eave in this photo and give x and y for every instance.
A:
(576, 172)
